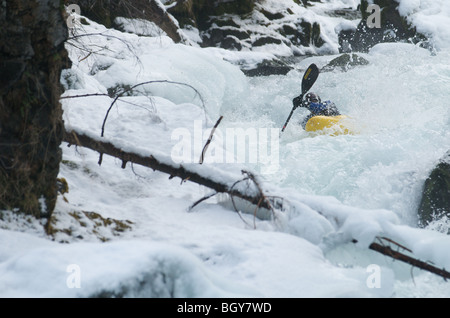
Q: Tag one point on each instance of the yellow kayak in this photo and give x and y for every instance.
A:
(330, 125)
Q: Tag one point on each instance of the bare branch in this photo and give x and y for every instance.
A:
(174, 170)
(145, 83)
(252, 177)
(206, 197)
(388, 251)
(202, 157)
(84, 95)
(76, 36)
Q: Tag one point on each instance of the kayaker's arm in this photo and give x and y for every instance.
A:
(326, 108)
(317, 108)
(298, 101)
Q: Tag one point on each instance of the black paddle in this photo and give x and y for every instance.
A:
(309, 78)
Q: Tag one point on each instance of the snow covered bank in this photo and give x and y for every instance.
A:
(430, 17)
(333, 190)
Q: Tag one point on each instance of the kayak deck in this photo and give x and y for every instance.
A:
(330, 125)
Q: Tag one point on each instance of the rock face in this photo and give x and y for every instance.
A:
(393, 28)
(240, 25)
(345, 62)
(435, 202)
(266, 67)
(198, 12)
(105, 12)
(230, 24)
(32, 55)
(248, 25)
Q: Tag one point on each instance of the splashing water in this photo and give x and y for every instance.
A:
(400, 102)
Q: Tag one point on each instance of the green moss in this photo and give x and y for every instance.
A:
(63, 186)
(70, 164)
(84, 21)
(92, 222)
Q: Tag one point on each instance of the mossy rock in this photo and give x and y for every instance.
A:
(224, 22)
(98, 11)
(435, 201)
(316, 38)
(311, 34)
(292, 33)
(305, 39)
(289, 30)
(217, 35)
(200, 13)
(221, 7)
(272, 16)
(79, 225)
(185, 12)
(269, 67)
(345, 62)
(231, 43)
(264, 40)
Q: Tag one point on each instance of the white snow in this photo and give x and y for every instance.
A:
(431, 17)
(334, 189)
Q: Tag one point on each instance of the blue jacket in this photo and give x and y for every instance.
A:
(326, 108)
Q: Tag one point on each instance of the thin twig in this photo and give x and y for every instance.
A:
(90, 53)
(243, 219)
(202, 157)
(395, 243)
(101, 34)
(252, 177)
(84, 95)
(206, 197)
(254, 212)
(144, 83)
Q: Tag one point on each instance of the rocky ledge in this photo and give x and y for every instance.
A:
(435, 202)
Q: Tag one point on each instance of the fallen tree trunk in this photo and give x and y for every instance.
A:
(175, 170)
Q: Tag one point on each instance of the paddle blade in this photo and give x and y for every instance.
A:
(310, 76)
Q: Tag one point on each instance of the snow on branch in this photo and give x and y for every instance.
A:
(174, 170)
(383, 248)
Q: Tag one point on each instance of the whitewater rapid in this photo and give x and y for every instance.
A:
(399, 100)
(400, 104)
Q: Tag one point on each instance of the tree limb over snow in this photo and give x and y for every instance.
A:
(174, 170)
(384, 249)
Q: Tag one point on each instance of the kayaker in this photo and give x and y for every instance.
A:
(313, 103)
